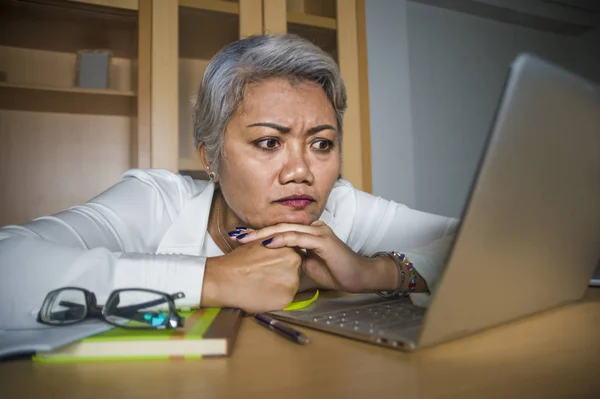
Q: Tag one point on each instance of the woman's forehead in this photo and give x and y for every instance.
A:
(280, 97)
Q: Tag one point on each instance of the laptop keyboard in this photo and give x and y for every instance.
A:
(378, 319)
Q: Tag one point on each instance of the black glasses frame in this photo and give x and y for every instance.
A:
(93, 310)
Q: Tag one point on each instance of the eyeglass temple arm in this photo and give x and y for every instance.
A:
(132, 314)
(63, 314)
(70, 304)
(130, 308)
(122, 311)
(137, 307)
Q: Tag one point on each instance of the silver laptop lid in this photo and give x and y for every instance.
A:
(530, 235)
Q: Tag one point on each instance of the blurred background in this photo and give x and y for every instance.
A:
(91, 88)
(436, 72)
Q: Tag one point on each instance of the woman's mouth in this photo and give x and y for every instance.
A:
(296, 201)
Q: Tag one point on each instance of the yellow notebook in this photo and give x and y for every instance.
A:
(207, 332)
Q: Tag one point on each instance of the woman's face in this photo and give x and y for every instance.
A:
(281, 154)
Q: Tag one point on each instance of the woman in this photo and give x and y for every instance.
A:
(273, 219)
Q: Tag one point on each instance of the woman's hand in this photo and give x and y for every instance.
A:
(253, 278)
(328, 260)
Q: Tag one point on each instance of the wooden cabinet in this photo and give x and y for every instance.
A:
(60, 144)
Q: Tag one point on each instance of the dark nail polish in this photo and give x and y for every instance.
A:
(233, 233)
(267, 241)
(242, 236)
(241, 228)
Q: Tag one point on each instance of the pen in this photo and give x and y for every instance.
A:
(282, 329)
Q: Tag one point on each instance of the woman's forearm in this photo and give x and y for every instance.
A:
(31, 267)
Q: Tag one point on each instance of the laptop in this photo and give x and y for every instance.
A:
(529, 239)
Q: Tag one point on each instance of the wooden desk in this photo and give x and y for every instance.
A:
(551, 355)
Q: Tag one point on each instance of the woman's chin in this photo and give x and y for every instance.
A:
(294, 217)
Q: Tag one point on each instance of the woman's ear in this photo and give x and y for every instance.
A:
(203, 156)
(205, 159)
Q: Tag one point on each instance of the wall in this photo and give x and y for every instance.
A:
(389, 100)
(435, 78)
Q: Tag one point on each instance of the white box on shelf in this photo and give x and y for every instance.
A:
(93, 69)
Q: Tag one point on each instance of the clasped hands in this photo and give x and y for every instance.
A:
(264, 273)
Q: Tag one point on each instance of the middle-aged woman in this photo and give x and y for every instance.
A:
(274, 218)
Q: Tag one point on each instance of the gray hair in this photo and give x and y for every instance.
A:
(252, 60)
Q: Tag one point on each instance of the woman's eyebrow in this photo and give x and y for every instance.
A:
(320, 128)
(275, 126)
(284, 129)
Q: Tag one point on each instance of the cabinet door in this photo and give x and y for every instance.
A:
(338, 28)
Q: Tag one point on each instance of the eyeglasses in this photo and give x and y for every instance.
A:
(133, 308)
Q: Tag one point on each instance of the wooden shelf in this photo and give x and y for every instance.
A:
(212, 5)
(66, 100)
(314, 21)
(80, 90)
(115, 8)
(194, 174)
(227, 7)
(119, 4)
(65, 27)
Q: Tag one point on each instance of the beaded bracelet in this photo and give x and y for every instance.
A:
(401, 262)
(394, 256)
(412, 277)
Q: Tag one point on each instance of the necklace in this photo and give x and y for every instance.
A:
(219, 229)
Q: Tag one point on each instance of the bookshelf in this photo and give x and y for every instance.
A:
(61, 145)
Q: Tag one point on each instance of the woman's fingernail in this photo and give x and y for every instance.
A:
(233, 233)
(267, 241)
(241, 228)
(242, 236)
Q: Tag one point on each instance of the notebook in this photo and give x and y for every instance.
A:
(27, 341)
(207, 332)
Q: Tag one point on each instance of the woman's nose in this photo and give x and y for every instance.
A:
(296, 168)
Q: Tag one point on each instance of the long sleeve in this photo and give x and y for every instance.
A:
(382, 225)
(105, 244)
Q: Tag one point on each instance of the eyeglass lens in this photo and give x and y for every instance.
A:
(64, 307)
(138, 309)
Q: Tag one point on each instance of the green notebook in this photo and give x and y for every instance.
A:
(207, 332)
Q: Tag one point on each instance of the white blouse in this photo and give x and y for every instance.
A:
(150, 231)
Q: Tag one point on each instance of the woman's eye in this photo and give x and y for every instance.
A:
(322, 145)
(268, 144)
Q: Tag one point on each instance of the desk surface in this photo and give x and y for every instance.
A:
(553, 354)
